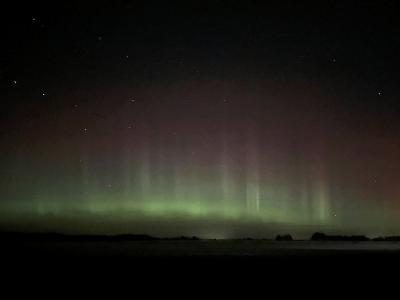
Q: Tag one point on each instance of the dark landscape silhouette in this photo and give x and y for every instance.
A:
(318, 236)
(57, 237)
(8, 236)
(36, 250)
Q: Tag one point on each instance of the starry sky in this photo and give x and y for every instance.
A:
(210, 118)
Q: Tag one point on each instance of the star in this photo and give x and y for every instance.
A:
(43, 93)
(14, 82)
(132, 100)
(85, 129)
(100, 38)
(380, 93)
(126, 56)
(334, 60)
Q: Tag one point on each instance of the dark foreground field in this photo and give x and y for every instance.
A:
(176, 251)
(199, 262)
(199, 249)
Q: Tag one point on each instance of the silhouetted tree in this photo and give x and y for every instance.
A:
(318, 236)
(285, 237)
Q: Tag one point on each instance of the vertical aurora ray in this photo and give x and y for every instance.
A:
(227, 184)
(252, 173)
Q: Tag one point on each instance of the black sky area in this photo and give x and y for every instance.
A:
(348, 47)
(220, 38)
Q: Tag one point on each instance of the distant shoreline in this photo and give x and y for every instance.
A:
(54, 236)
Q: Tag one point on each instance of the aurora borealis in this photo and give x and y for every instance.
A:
(217, 119)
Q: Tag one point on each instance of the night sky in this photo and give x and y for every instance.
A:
(210, 118)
